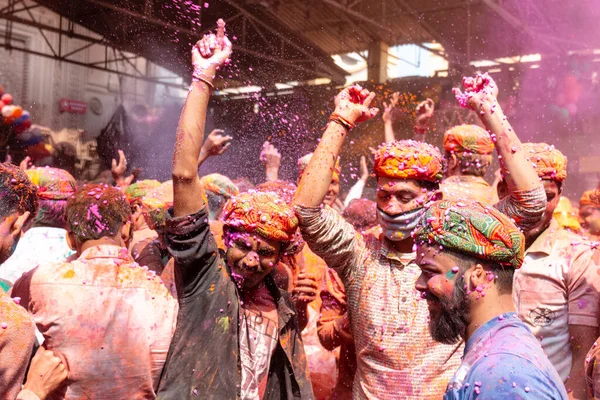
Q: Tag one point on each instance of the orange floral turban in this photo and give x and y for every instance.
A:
(303, 163)
(263, 213)
(52, 183)
(408, 159)
(590, 198)
(548, 162)
(468, 139)
(474, 229)
(219, 184)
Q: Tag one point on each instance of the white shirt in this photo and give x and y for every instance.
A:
(557, 286)
(39, 245)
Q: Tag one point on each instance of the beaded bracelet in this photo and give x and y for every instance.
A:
(338, 119)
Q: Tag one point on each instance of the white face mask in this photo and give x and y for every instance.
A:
(399, 227)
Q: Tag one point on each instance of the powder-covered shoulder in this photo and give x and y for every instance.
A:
(512, 376)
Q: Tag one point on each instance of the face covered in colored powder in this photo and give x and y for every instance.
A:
(442, 285)
(400, 206)
(251, 257)
(590, 219)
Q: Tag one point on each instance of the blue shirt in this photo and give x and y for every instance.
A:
(503, 360)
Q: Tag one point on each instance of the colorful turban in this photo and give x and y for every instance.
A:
(474, 229)
(408, 159)
(263, 213)
(548, 162)
(468, 139)
(219, 184)
(590, 198)
(156, 203)
(140, 188)
(303, 163)
(284, 189)
(52, 183)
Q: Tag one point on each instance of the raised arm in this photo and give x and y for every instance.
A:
(208, 55)
(215, 144)
(271, 158)
(351, 107)
(388, 117)
(481, 95)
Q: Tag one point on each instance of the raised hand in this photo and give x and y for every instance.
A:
(353, 104)
(118, 171)
(424, 112)
(388, 109)
(269, 155)
(480, 91)
(210, 53)
(46, 373)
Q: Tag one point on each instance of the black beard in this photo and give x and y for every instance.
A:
(450, 325)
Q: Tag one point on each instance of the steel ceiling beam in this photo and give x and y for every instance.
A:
(377, 24)
(518, 23)
(453, 55)
(334, 74)
(176, 28)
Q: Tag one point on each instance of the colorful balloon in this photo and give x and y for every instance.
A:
(6, 98)
(7, 111)
(17, 112)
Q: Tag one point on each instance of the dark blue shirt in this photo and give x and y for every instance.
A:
(503, 360)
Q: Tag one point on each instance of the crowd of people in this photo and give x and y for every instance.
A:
(444, 286)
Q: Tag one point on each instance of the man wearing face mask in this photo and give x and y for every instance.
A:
(397, 357)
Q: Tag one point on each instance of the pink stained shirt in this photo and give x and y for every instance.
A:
(110, 320)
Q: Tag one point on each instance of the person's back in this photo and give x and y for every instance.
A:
(504, 360)
(109, 318)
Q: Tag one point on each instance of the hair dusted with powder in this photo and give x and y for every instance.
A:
(504, 274)
(17, 193)
(96, 211)
(51, 213)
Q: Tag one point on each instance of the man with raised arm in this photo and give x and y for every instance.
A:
(397, 357)
(237, 335)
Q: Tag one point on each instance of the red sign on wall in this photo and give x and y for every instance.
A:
(72, 106)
